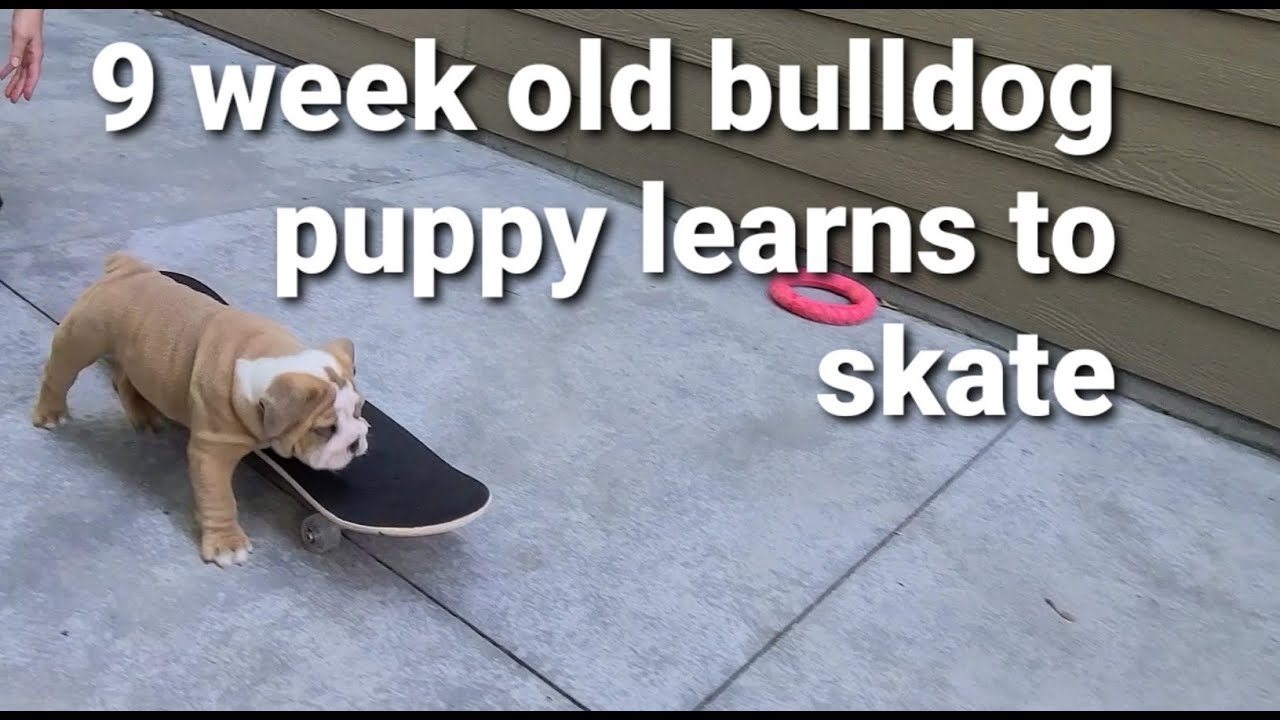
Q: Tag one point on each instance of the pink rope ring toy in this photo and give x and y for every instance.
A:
(862, 303)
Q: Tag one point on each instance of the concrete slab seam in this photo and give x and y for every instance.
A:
(866, 557)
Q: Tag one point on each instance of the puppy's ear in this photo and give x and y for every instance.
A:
(345, 351)
(290, 398)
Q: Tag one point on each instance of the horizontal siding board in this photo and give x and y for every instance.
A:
(1219, 165)
(1201, 58)
(1170, 248)
(448, 27)
(1272, 15)
(1150, 337)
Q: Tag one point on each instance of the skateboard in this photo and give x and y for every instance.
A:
(399, 488)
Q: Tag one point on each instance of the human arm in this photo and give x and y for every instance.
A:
(26, 54)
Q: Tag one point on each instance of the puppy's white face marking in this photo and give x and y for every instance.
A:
(339, 443)
(347, 439)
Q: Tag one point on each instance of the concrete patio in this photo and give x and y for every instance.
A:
(676, 524)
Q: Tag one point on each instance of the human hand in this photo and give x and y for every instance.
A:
(26, 53)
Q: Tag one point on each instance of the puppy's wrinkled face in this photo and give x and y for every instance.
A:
(316, 420)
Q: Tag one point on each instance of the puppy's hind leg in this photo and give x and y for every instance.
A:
(141, 413)
(76, 345)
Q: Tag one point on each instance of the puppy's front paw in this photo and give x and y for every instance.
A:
(48, 415)
(225, 547)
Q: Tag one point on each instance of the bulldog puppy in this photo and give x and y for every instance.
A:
(237, 381)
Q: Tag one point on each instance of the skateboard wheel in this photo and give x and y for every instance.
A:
(319, 535)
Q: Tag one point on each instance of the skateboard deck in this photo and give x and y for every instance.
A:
(400, 487)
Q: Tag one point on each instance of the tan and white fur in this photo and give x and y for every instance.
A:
(239, 382)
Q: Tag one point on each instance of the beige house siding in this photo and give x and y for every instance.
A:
(1191, 178)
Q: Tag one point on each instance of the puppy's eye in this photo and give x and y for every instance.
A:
(326, 431)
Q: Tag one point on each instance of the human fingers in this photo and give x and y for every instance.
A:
(31, 79)
(18, 51)
(13, 88)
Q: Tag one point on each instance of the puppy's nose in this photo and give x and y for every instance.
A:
(354, 447)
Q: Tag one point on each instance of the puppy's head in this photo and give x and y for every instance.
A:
(316, 420)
